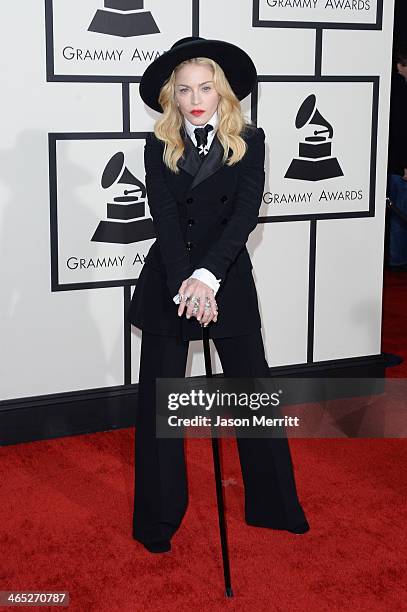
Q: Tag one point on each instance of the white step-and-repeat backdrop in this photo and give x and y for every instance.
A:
(74, 219)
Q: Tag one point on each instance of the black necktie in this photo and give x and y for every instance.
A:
(201, 135)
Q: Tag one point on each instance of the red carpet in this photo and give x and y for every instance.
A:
(65, 522)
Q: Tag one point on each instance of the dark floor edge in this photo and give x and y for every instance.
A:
(104, 409)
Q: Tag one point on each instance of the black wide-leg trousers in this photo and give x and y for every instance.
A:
(161, 490)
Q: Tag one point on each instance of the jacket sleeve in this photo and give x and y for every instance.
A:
(164, 212)
(244, 218)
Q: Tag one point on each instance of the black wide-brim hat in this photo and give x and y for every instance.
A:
(238, 67)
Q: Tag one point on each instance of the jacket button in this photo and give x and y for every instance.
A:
(224, 221)
(191, 221)
(190, 200)
(224, 198)
(190, 245)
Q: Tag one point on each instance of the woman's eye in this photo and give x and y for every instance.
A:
(206, 88)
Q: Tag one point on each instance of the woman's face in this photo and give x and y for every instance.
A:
(194, 92)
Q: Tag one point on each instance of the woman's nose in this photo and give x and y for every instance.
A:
(195, 97)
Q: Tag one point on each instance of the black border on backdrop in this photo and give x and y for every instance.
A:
(375, 81)
(94, 78)
(337, 25)
(53, 138)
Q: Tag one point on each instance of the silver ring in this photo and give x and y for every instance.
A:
(196, 303)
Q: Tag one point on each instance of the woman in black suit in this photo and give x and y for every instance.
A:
(204, 178)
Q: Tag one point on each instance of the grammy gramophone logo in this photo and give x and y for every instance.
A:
(123, 18)
(314, 161)
(124, 224)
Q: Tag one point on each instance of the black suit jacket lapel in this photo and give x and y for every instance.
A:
(194, 165)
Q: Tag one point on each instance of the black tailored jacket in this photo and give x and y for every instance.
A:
(202, 218)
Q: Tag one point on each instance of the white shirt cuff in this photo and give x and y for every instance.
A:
(205, 276)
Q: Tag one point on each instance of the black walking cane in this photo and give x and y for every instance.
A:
(218, 478)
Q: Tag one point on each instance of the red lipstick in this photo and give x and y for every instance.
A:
(197, 112)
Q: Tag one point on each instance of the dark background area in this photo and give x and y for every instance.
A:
(396, 218)
(400, 20)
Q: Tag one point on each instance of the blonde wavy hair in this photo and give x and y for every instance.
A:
(231, 120)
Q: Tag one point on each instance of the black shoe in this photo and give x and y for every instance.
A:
(301, 528)
(158, 547)
(298, 529)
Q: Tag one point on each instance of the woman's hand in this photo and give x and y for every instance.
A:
(194, 287)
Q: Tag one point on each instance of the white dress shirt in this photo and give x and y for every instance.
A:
(202, 274)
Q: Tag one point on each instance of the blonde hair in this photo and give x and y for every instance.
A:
(231, 121)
